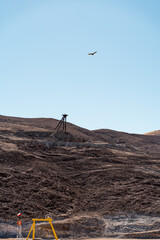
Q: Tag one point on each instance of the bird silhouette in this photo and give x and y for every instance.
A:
(92, 53)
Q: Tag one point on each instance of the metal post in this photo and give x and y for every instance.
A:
(29, 232)
(53, 230)
(33, 235)
(19, 230)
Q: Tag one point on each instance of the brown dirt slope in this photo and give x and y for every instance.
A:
(107, 173)
(154, 133)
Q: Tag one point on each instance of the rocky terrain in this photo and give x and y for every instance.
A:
(98, 183)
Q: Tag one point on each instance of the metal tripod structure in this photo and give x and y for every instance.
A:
(62, 124)
(41, 220)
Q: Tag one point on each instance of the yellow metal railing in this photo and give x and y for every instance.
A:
(41, 220)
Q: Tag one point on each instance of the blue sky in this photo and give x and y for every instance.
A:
(45, 69)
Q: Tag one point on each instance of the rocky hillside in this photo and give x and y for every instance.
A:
(99, 174)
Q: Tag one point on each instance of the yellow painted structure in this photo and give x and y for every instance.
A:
(41, 220)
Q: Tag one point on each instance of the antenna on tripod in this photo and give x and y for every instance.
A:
(62, 124)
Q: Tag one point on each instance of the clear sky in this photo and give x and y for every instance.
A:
(45, 69)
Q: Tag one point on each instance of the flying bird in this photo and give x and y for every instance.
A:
(92, 53)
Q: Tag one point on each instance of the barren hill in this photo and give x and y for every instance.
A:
(154, 133)
(97, 174)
